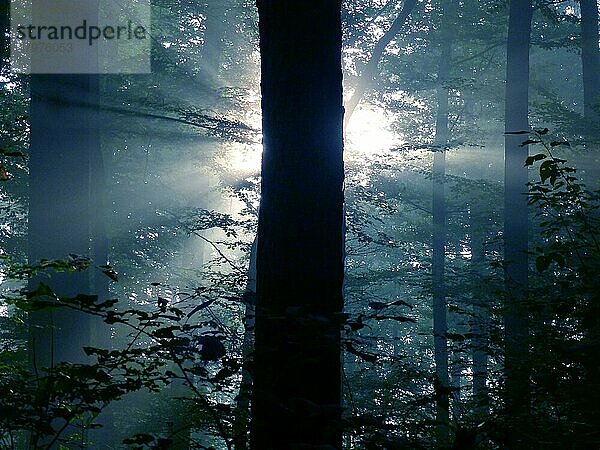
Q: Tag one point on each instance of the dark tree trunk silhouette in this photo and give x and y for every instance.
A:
(371, 72)
(517, 393)
(590, 58)
(297, 369)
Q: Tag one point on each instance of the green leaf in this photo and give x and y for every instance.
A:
(548, 170)
(42, 290)
(363, 355)
(455, 337)
(212, 348)
(531, 159)
(164, 443)
(109, 272)
(377, 305)
(542, 262)
(559, 258)
(402, 319)
(36, 305)
(529, 141)
(107, 304)
(13, 153)
(201, 306)
(82, 299)
(139, 439)
(164, 332)
(111, 318)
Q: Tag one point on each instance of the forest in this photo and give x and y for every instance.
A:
(311, 225)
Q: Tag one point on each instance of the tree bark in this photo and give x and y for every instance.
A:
(590, 58)
(297, 368)
(517, 392)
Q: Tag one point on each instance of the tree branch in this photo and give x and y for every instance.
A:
(370, 72)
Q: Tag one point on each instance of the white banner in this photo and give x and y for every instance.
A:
(80, 36)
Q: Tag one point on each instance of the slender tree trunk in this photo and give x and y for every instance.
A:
(480, 321)
(590, 58)
(297, 364)
(4, 24)
(455, 383)
(517, 392)
(440, 320)
(214, 40)
(63, 166)
(64, 139)
(99, 252)
(371, 72)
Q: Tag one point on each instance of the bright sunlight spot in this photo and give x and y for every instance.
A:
(245, 158)
(368, 131)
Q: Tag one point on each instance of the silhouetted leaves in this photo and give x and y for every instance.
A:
(212, 348)
(369, 357)
(528, 142)
(109, 272)
(532, 159)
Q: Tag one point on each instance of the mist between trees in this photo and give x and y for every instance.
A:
(315, 225)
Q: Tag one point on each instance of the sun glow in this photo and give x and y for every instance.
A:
(369, 131)
(245, 159)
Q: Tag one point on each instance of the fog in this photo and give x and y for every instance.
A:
(129, 207)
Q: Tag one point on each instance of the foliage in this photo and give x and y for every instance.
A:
(173, 342)
(567, 258)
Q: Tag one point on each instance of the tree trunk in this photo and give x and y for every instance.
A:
(215, 44)
(64, 215)
(64, 145)
(297, 368)
(440, 320)
(480, 320)
(516, 224)
(4, 29)
(590, 58)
